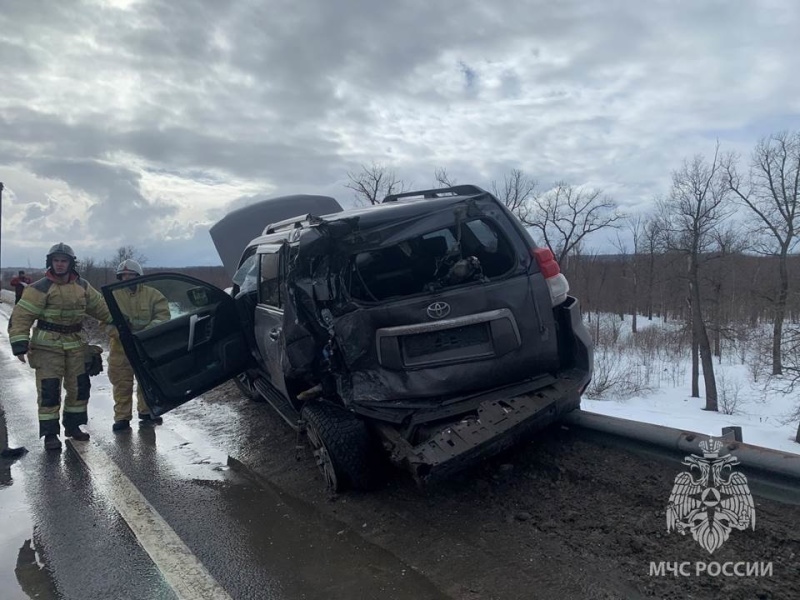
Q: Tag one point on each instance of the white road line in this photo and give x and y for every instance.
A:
(185, 574)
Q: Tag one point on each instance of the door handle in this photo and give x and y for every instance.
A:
(274, 334)
(193, 321)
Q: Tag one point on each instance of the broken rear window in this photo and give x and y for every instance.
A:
(432, 261)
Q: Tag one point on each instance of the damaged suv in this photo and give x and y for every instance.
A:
(428, 329)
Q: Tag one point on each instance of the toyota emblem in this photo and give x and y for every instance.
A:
(438, 310)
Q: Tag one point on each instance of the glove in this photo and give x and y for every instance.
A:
(93, 360)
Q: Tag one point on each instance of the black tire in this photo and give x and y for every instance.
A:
(246, 386)
(344, 448)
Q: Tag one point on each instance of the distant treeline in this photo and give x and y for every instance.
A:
(736, 288)
(100, 275)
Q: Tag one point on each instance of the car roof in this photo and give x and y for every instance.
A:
(379, 214)
(370, 216)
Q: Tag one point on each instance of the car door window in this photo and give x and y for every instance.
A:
(246, 276)
(182, 336)
(269, 276)
(183, 298)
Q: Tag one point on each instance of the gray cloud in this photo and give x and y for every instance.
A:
(147, 123)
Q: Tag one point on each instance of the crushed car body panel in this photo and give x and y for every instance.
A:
(498, 424)
(393, 344)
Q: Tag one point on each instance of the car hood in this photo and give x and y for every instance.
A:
(233, 232)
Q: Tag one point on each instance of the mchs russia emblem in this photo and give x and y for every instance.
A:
(710, 499)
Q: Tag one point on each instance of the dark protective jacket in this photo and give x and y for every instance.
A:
(64, 305)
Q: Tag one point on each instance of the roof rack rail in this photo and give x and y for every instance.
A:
(294, 222)
(456, 190)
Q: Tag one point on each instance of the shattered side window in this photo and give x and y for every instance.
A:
(269, 280)
(474, 252)
(447, 240)
(484, 234)
(246, 276)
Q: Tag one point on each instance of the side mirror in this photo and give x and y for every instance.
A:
(198, 296)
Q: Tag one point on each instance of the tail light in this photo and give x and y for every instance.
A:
(556, 282)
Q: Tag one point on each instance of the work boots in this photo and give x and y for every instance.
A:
(121, 425)
(13, 453)
(51, 442)
(76, 434)
(147, 418)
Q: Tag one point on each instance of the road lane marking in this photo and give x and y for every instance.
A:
(184, 573)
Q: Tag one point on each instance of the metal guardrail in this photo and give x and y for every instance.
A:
(768, 460)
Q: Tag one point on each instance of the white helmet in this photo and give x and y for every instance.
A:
(129, 266)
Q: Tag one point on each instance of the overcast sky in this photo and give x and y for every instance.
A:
(140, 122)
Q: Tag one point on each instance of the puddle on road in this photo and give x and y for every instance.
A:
(22, 574)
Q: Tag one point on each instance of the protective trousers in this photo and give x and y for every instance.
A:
(55, 366)
(120, 374)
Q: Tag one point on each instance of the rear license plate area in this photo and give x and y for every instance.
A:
(447, 345)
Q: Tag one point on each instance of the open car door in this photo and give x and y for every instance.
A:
(201, 345)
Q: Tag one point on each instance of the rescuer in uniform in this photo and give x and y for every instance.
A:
(58, 303)
(142, 306)
(19, 282)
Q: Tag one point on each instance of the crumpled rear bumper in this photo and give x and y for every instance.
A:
(500, 424)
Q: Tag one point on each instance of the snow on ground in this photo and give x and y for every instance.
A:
(763, 415)
(763, 421)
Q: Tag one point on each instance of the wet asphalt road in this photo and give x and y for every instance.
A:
(157, 509)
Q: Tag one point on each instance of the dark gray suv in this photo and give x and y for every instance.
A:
(428, 329)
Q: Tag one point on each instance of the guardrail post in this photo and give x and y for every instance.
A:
(733, 433)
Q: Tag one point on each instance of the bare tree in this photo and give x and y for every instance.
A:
(126, 253)
(688, 219)
(637, 226)
(791, 381)
(771, 192)
(729, 244)
(622, 291)
(651, 236)
(443, 178)
(90, 270)
(565, 215)
(517, 191)
(373, 183)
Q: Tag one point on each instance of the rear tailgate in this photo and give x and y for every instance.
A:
(491, 335)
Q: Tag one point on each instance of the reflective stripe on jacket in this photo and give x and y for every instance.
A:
(60, 303)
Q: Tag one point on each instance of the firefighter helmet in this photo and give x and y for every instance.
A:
(61, 248)
(129, 266)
